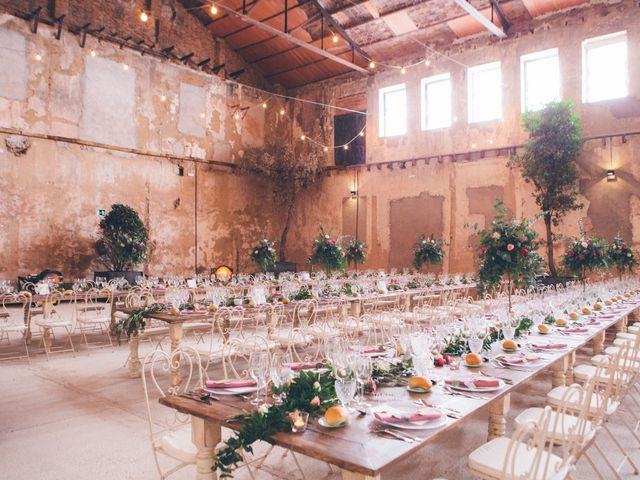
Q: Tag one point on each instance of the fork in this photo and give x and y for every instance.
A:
(381, 430)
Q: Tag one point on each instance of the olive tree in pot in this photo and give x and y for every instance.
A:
(122, 243)
(289, 174)
(549, 163)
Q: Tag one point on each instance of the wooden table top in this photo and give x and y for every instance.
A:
(355, 448)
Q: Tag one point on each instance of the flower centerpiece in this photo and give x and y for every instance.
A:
(264, 255)
(356, 252)
(621, 255)
(427, 250)
(585, 253)
(508, 248)
(327, 253)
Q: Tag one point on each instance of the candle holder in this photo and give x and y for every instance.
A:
(299, 421)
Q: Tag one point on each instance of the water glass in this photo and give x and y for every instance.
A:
(345, 390)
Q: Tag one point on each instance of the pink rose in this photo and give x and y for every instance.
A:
(315, 401)
(331, 242)
(510, 247)
(524, 252)
(571, 253)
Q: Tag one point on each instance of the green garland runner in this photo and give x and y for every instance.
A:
(310, 392)
(135, 322)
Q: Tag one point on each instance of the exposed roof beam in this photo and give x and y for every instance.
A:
(214, 20)
(265, 40)
(292, 39)
(338, 28)
(495, 6)
(484, 21)
(270, 17)
(297, 67)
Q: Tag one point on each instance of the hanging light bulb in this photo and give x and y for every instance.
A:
(144, 16)
(372, 64)
(346, 147)
(202, 115)
(213, 9)
(163, 98)
(334, 38)
(326, 149)
(125, 66)
(264, 105)
(302, 137)
(427, 62)
(403, 70)
(237, 116)
(361, 133)
(282, 111)
(38, 57)
(92, 52)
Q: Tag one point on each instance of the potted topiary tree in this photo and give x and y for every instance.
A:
(122, 243)
(549, 163)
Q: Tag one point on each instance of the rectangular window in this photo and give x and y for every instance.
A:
(604, 68)
(485, 93)
(436, 102)
(539, 79)
(393, 110)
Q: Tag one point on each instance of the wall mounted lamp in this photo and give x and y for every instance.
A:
(611, 175)
(354, 194)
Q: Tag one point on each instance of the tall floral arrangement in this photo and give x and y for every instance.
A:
(427, 250)
(264, 255)
(508, 250)
(585, 253)
(621, 255)
(356, 252)
(122, 243)
(327, 253)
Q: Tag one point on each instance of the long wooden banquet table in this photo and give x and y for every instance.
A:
(355, 307)
(361, 454)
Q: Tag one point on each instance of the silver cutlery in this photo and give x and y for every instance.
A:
(380, 430)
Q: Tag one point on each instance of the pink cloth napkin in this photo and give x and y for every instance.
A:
(607, 316)
(477, 382)
(373, 350)
(576, 330)
(519, 359)
(229, 383)
(424, 414)
(305, 366)
(549, 345)
(193, 312)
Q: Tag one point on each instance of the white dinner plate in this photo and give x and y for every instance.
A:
(231, 391)
(323, 423)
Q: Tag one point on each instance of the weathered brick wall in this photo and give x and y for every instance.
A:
(49, 195)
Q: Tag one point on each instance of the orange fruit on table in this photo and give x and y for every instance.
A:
(543, 328)
(586, 311)
(597, 306)
(336, 415)
(561, 322)
(509, 345)
(213, 307)
(473, 359)
(573, 315)
(420, 382)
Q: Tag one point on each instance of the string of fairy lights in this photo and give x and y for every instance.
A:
(240, 111)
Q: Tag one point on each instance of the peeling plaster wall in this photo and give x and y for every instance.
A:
(467, 188)
(49, 196)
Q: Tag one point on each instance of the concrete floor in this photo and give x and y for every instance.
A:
(82, 417)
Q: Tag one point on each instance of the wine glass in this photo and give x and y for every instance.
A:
(281, 372)
(259, 369)
(476, 340)
(364, 369)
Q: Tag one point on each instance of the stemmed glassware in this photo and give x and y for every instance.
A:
(281, 372)
(259, 370)
(363, 370)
